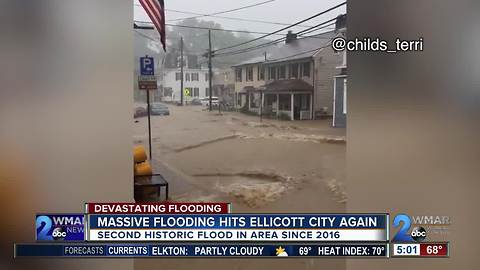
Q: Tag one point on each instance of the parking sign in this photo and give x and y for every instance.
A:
(147, 66)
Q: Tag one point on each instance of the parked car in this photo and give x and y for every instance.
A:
(139, 112)
(159, 109)
(196, 101)
(206, 101)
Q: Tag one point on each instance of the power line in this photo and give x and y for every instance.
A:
(226, 11)
(297, 54)
(267, 44)
(277, 31)
(191, 52)
(232, 18)
(202, 28)
(145, 36)
(225, 17)
(313, 30)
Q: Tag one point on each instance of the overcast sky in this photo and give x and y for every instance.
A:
(284, 11)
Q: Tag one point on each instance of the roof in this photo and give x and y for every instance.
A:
(303, 47)
(290, 85)
(249, 88)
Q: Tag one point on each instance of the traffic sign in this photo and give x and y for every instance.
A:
(186, 92)
(147, 82)
(147, 66)
(147, 85)
(150, 78)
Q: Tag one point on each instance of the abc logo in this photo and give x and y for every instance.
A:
(58, 234)
(418, 234)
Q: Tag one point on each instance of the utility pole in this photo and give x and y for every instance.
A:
(262, 94)
(210, 69)
(149, 125)
(181, 71)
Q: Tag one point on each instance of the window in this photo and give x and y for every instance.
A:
(272, 73)
(196, 90)
(261, 73)
(195, 76)
(281, 72)
(178, 76)
(207, 92)
(293, 71)
(187, 76)
(249, 75)
(238, 74)
(305, 67)
(206, 77)
(344, 96)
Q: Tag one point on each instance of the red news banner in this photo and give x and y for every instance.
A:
(158, 208)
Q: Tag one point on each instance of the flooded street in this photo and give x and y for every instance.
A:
(258, 166)
(261, 167)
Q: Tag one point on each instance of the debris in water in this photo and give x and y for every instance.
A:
(254, 189)
(338, 190)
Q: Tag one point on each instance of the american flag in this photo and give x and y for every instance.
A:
(156, 11)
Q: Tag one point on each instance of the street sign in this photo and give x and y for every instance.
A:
(147, 82)
(147, 78)
(147, 66)
(147, 85)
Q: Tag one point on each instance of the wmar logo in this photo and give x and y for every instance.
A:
(44, 228)
(403, 221)
(59, 227)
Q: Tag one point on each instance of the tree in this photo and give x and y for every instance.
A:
(196, 41)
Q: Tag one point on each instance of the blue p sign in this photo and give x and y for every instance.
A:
(147, 66)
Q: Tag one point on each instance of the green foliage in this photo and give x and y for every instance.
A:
(196, 41)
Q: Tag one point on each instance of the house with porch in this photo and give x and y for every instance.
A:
(291, 81)
(340, 81)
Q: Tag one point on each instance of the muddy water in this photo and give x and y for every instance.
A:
(269, 167)
(252, 189)
(259, 174)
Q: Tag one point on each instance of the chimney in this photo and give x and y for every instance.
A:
(290, 37)
(341, 22)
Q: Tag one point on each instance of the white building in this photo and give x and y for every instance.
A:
(195, 80)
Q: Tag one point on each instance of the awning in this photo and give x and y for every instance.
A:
(292, 85)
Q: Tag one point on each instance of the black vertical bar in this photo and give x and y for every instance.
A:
(261, 106)
(210, 69)
(149, 127)
(181, 71)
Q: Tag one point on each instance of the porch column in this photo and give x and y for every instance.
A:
(292, 96)
(249, 100)
(261, 104)
(278, 104)
(311, 106)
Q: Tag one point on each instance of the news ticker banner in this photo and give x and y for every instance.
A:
(210, 227)
(115, 250)
(237, 227)
(111, 250)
